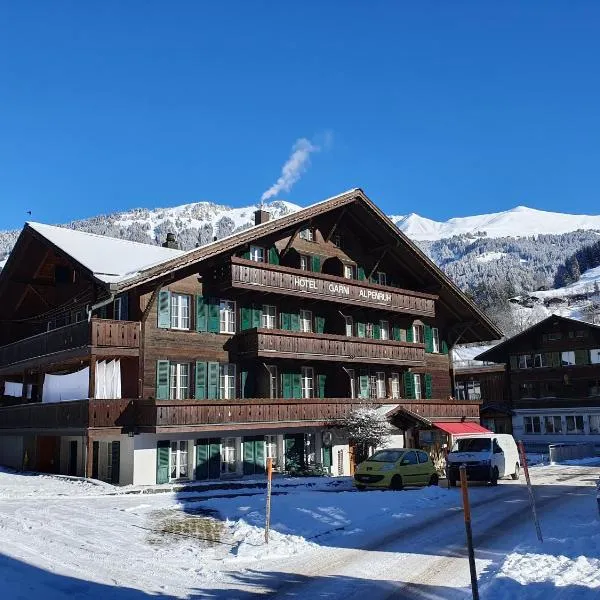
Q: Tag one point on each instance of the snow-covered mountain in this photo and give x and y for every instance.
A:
(516, 222)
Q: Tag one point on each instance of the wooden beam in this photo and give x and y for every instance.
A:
(38, 295)
(336, 223)
(291, 240)
(385, 250)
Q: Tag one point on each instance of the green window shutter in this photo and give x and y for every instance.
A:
(295, 322)
(361, 273)
(428, 386)
(259, 454)
(246, 254)
(245, 317)
(360, 330)
(201, 314)
(444, 347)
(321, 382)
(363, 386)
(327, 457)
(214, 458)
(319, 324)
(202, 450)
(287, 385)
(428, 335)
(409, 334)
(513, 362)
(164, 309)
(409, 385)
(201, 368)
(162, 461)
(273, 256)
(248, 456)
(213, 315)
(247, 384)
(581, 357)
(213, 381)
(285, 321)
(162, 379)
(315, 264)
(396, 334)
(296, 385)
(256, 315)
(376, 331)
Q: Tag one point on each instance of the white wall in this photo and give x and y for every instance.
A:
(126, 460)
(144, 459)
(11, 451)
(340, 447)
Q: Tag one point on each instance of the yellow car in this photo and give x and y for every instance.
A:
(394, 468)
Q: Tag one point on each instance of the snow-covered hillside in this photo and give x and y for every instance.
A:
(516, 222)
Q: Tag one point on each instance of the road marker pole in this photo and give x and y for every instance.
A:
(268, 511)
(467, 513)
(523, 458)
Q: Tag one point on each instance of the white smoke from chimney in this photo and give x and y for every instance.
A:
(293, 169)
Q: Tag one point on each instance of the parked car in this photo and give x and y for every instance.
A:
(394, 468)
(488, 457)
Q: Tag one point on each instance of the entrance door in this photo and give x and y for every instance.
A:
(294, 451)
(179, 460)
(47, 454)
(72, 458)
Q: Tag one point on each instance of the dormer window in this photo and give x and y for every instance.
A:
(381, 278)
(307, 234)
(304, 262)
(349, 272)
(257, 254)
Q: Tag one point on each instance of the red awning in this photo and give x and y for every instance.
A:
(461, 428)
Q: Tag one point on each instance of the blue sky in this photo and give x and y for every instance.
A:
(441, 108)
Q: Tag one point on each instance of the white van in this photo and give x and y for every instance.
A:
(488, 457)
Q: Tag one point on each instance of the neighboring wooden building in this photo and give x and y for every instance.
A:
(200, 364)
(553, 378)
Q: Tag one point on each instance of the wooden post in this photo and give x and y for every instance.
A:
(523, 458)
(467, 514)
(268, 511)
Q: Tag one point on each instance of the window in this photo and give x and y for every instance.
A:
(423, 457)
(527, 390)
(349, 272)
(307, 382)
(553, 424)
(271, 448)
(305, 262)
(369, 330)
(473, 390)
(78, 316)
(227, 316)
(594, 422)
(435, 336)
(381, 278)
(352, 378)
(228, 455)
(226, 381)
(574, 424)
(380, 385)
(273, 381)
(180, 311)
(257, 254)
(419, 334)
(418, 394)
(305, 321)
(384, 327)
(267, 319)
(540, 360)
(117, 309)
(395, 385)
(567, 358)
(348, 325)
(525, 361)
(337, 240)
(179, 381)
(532, 424)
(553, 337)
(409, 458)
(595, 356)
(179, 460)
(307, 234)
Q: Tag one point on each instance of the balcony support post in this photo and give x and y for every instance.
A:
(92, 384)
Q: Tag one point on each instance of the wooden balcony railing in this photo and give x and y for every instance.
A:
(318, 346)
(247, 274)
(97, 332)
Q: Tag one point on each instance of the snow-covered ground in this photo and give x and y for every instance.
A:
(72, 538)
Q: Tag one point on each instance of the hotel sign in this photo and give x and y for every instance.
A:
(340, 290)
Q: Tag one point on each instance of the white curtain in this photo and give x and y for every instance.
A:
(72, 386)
(108, 379)
(12, 388)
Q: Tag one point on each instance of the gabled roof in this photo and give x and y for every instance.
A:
(107, 259)
(500, 352)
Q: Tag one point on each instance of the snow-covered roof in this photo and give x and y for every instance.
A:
(109, 259)
(464, 356)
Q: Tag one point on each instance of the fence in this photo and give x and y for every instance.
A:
(562, 452)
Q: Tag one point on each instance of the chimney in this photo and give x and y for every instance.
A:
(261, 216)
(171, 242)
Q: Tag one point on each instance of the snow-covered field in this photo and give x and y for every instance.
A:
(73, 538)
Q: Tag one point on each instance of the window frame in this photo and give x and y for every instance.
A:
(307, 376)
(435, 337)
(179, 391)
(305, 263)
(418, 333)
(381, 277)
(273, 377)
(418, 386)
(348, 322)
(381, 385)
(595, 360)
(395, 384)
(178, 310)
(576, 430)
(229, 451)
(352, 377)
(543, 360)
(307, 234)
(569, 353)
(384, 330)
(306, 323)
(532, 420)
(225, 320)
(227, 381)
(268, 320)
(257, 253)
(349, 269)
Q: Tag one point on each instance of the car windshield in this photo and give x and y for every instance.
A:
(472, 445)
(387, 455)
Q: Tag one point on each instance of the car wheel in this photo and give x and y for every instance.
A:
(517, 473)
(495, 475)
(452, 482)
(361, 488)
(397, 483)
(434, 479)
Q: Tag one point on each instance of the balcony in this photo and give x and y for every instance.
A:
(249, 275)
(277, 343)
(83, 336)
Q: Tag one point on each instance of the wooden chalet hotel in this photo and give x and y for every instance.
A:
(141, 364)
